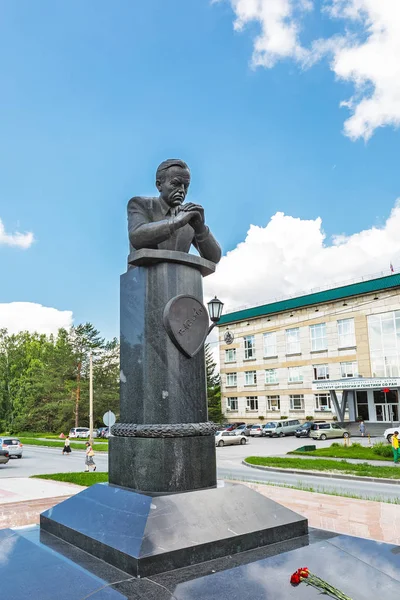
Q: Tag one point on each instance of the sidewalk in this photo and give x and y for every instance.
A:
(23, 499)
(362, 518)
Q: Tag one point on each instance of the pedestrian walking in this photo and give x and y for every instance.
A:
(67, 446)
(89, 462)
(362, 428)
(395, 447)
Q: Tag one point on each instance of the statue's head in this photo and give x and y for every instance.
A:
(173, 180)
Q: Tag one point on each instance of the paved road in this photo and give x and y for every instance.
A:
(50, 460)
(38, 460)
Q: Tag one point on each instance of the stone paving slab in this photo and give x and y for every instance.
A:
(20, 489)
(363, 518)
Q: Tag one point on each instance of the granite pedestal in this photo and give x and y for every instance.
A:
(160, 385)
(143, 534)
(40, 566)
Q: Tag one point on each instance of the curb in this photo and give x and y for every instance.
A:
(324, 474)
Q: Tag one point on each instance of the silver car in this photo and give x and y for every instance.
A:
(12, 445)
(323, 431)
(228, 438)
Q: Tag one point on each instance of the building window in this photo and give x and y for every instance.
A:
(318, 337)
(250, 377)
(296, 402)
(230, 355)
(273, 403)
(293, 341)
(249, 347)
(271, 376)
(346, 333)
(252, 402)
(384, 343)
(295, 375)
(231, 379)
(349, 369)
(232, 403)
(322, 402)
(270, 344)
(321, 372)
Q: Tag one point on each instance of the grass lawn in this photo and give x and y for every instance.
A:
(77, 478)
(97, 446)
(363, 469)
(355, 451)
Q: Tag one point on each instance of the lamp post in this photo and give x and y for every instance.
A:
(91, 399)
(215, 307)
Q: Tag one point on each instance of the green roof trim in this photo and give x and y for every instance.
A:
(346, 291)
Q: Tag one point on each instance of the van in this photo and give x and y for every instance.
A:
(281, 428)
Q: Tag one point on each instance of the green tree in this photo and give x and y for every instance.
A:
(213, 388)
(85, 339)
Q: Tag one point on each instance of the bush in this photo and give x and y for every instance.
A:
(261, 417)
(336, 445)
(382, 449)
(334, 417)
(284, 417)
(310, 418)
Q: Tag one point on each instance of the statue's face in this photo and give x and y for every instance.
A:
(174, 187)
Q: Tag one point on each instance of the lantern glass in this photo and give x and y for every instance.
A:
(215, 307)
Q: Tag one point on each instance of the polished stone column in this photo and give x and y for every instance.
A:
(163, 443)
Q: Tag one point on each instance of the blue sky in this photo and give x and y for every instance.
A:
(95, 94)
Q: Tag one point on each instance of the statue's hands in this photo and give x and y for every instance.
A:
(197, 215)
(185, 217)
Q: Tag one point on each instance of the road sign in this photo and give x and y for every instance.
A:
(109, 418)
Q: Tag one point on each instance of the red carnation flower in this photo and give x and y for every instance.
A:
(295, 579)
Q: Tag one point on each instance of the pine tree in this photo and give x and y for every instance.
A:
(213, 388)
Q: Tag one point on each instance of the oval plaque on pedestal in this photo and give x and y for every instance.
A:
(186, 321)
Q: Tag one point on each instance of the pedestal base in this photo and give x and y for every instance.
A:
(144, 535)
(162, 465)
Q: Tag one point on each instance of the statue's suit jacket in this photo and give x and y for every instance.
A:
(149, 226)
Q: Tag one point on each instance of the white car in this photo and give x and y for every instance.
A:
(389, 432)
(228, 438)
(81, 432)
(12, 445)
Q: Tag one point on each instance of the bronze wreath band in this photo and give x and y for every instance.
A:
(164, 430)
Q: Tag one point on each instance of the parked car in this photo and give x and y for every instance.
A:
(389, 433)
(232, 426)
(4, 457)
(11, 445)
(101, 432)
(227, 438)
(281, 428)
(82, 432)
(304, 430)
(257, 431)
(323, 431)
(243, 429)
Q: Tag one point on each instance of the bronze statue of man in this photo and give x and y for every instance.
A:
(165, 222)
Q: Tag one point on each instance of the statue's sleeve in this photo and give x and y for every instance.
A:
(143, 232)
(207, 246)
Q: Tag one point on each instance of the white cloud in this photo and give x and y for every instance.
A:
(28, 316)
(21, 240)
(290, 256)
(366, 53)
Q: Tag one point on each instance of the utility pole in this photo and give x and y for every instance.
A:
(90, 399)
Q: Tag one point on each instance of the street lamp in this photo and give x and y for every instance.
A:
(215, 307)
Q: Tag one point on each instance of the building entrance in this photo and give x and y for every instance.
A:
(386, 405)
(387, 412)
